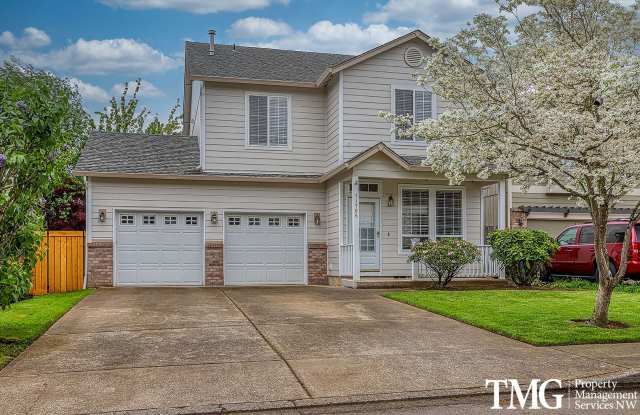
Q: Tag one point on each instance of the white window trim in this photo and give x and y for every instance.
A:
(432, 210)
(268, 146)
(414, 87)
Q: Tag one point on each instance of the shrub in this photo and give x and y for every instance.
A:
(444, 258)
(42, 129)
(523, 253)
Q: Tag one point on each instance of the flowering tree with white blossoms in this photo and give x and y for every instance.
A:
(553, 101)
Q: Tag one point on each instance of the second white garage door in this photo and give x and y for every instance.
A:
(264, 249)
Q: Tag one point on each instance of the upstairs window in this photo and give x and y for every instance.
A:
(417, 104)
(268, 121)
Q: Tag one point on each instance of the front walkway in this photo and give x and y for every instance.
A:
(133, 349)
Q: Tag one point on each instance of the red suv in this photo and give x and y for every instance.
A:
(576, 255)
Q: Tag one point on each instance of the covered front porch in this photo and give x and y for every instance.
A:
(392, 210)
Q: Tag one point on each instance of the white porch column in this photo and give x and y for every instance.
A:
(355, 226)
(502, 204)
(502, 212)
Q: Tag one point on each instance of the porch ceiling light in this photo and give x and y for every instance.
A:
(390, 201)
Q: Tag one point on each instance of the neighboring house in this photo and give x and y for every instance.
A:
(284, 161)
(550, 209)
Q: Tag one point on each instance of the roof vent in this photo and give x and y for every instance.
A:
(413, 56)
(212, 42)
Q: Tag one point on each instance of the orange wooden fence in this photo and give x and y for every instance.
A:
(61, 269)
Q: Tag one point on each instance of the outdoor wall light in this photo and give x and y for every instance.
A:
(214, 218)
(316, 219)
(390, 201)
(102, 215)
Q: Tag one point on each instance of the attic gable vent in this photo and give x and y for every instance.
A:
(413, 57)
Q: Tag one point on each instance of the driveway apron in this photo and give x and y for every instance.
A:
(126, 349)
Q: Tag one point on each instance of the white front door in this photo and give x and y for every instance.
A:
(369, 235)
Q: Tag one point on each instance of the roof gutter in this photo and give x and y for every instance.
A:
(199, 177)
(232, 80)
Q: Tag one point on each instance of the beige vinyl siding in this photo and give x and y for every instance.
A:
(226, 149)
(333, 124)
(537, 196)
(161, 195)
(333, 227)
(383, 167)
(367, 89)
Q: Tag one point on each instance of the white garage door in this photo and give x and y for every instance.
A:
(159, 248)
(264, 249)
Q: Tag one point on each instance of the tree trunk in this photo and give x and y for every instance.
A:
(600, 316)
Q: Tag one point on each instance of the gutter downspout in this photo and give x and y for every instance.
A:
(87, 226)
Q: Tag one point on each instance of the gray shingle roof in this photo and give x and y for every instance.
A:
(414, 160)
(139, 153)
(258, 63)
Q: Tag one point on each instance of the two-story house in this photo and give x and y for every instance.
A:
(286, 174)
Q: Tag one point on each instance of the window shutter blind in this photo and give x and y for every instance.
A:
(448, 213)
(415, 216)
(423, 105)
(404, 106)
(278, 122)
(258, 120)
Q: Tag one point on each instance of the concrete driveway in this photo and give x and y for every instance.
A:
(239, 348)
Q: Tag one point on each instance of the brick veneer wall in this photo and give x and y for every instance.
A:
(214, 264)
(518, 215)
(317, 263)
(100, 264)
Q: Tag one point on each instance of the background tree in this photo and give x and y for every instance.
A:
(64, 209)
(42, 129)
(121, 116)
(556, 101)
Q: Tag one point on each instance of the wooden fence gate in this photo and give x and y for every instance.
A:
(61, 269)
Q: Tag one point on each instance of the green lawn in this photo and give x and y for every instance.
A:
(26, 320)
(539, 317)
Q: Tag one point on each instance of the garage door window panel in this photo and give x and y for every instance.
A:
(170, 220)
(293, 222)
(274, 221)
(127, 220)
(149, 220)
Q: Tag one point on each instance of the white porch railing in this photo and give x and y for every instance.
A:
(484, 267)
(346, 260)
